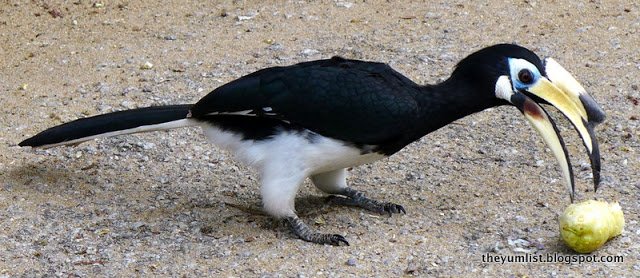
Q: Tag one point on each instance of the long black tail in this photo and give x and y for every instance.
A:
(111, 124)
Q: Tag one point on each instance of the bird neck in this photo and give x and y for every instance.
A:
(440, 105)
(451, 100)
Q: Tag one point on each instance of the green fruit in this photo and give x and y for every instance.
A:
(588, 225)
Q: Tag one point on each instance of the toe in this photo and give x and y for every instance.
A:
(337, 240)
(401, 209)
(392, 208)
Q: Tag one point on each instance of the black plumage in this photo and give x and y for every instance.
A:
(315, 119)
(354, 101)
(364, 103)
(106, 123)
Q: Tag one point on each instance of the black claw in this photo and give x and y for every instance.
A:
(304, 232)
(393, 208)
(337, 239)
(401, 208)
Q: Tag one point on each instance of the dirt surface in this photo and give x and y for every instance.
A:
(170, 204)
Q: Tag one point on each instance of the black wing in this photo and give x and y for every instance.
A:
(350, 100)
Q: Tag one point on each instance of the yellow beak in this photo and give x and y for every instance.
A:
(541, 122)
(565, 93)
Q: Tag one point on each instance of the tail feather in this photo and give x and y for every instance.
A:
(111, 124)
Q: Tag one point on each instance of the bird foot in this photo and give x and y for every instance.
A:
(357, 199)
(304, 232)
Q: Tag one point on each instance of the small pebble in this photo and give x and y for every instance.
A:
(148, 145)
(103, 88)
(351, 262)
(319, 220)
(343, 4)
(275, 47)
(309, 52)
(127, 104)
(146, 66)
(247, 17)
(129, 90)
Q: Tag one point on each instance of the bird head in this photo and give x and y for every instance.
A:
(518, 77)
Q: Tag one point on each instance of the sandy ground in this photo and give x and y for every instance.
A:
(169, 204)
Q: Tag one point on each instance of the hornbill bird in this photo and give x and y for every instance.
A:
(316, 119)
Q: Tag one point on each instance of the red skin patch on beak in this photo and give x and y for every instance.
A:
(532, 109)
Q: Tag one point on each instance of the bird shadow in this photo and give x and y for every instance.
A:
(39, 178)
(50, 181)
(308, 207)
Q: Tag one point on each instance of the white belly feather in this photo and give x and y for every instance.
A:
(291, 149)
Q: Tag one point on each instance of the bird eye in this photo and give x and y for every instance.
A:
(525, 76)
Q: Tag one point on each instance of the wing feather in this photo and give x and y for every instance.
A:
(355, 101)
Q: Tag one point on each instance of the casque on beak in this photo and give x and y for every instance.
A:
(561, 90)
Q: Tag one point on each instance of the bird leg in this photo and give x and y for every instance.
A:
(357, 199)
(304, 232)
(335, 183)
(278, 190)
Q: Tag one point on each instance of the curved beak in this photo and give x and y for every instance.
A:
(565, 93)
(550, 134)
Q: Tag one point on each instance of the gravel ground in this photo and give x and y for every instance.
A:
(169, 204)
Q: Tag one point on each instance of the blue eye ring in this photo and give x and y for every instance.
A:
(525, 76)
(522, 73)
